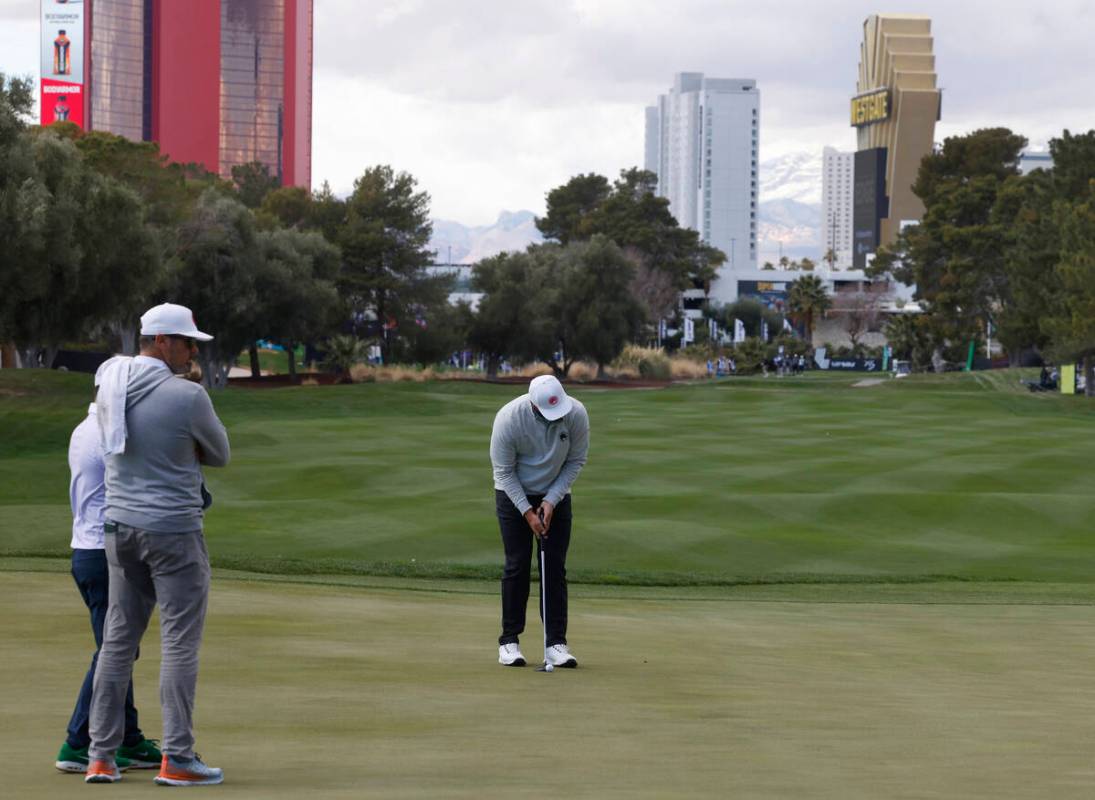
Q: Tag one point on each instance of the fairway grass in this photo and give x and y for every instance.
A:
(351, 692)
(956, 477)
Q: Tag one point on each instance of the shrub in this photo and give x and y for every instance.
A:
(647, 362)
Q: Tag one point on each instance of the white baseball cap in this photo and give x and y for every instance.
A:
(171, 320)
(546, 393)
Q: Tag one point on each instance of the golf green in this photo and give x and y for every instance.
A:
(352, 692)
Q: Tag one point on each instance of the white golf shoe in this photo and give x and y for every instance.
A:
(509, 655)
(559, 655)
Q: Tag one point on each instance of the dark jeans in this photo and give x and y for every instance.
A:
(517, 539)
(89, 570)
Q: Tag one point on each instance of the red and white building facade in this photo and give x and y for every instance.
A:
(215, 82)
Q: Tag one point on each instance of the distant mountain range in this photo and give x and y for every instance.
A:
(458, 244)
(789, 217)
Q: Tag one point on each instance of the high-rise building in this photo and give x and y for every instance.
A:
(705, 134)
(837, 181)
(895, 109)
(216, 82)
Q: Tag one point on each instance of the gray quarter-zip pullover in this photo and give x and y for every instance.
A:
(533, 456)
(155, 484)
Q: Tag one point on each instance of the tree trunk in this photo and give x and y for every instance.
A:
(253, 352)
(601, 374)
(492, 366)
(291, 349)
(1089, 375)
(127, 338)
(214, 372)
(30, 357)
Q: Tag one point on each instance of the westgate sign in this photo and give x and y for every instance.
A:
(870, 108)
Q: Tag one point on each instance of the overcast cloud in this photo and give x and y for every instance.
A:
(490, 104)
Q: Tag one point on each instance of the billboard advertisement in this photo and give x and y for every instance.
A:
(62, 85)
(869, 203)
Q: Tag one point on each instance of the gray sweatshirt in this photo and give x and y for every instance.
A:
(533, 456)
(155, 484)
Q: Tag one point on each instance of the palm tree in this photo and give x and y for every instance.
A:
(807, 299)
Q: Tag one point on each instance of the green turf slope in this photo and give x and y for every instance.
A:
(752, 480)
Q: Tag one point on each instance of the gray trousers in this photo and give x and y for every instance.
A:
(146, 569)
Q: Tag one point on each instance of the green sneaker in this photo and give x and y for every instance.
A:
(72, 760)
(143, 755)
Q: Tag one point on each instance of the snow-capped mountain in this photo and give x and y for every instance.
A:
(789, 216)
(459, 244)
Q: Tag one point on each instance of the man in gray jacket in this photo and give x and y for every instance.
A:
(156, 432)
(537, 448)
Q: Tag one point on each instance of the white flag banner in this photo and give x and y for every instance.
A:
(713, 330)
(689, 331)
(739, 331)
(787, 326)
(764, 330)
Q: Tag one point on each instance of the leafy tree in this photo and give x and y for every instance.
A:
(298, 301)
(556, 305)
(957, 255)
(168, 192)
(327, 213)
(807, 300)
(1024, 211)
(504, 323)
(569, 207)
(806, 264)
(287, 207)
(383, 239)
(437, 333)
(76, 247)
(905, 334)
(830, 257)
(636, 219)
(1071, 324)
(218, 272)
(597, 314)
(253, 182)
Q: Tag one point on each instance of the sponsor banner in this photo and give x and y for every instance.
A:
(856, 364)
(62, 102)
(823, 361)
(62, 95)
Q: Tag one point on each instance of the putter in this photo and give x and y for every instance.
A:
(545, 667)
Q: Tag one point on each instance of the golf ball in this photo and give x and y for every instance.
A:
(549, 668)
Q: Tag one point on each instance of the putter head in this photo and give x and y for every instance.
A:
(544, 668)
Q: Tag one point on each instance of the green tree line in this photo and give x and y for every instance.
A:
(1002, 252)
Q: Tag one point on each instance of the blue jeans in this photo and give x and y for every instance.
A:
(89, 570)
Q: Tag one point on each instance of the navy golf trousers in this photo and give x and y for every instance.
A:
(89, 570)
(517, 540)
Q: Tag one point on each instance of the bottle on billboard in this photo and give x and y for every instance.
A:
(61, 110)
(62, 54)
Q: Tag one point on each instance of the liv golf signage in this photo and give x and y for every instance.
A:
(846, 364)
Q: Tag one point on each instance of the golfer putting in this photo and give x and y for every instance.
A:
(537, 448)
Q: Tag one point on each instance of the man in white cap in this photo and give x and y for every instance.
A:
(537, 448)
(157, 433)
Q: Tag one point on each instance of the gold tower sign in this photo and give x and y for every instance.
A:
(895, 109)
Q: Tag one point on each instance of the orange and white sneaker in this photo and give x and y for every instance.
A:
(175, 772)
(101, 770)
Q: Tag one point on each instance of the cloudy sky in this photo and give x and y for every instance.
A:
(491, 103)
